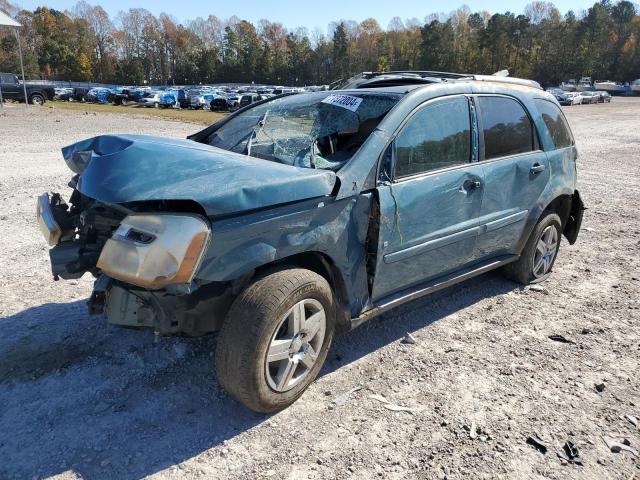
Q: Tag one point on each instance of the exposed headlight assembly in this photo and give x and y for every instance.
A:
(155, 250)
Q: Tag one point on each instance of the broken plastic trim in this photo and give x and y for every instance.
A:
(574, 221)
(47, 223)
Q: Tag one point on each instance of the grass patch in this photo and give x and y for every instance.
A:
(202, 117)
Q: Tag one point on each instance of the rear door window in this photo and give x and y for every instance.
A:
(438, 136)
(556, 123)
(506, 127)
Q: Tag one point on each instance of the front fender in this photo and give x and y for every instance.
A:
(336, 229)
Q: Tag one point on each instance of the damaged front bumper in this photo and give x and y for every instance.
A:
(77, 232)
(144, 263)
(165, 312)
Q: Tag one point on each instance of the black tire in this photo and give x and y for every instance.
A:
(522, 270)
(36, 99)
(250, 326)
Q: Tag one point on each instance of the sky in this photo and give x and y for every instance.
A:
(305, 13)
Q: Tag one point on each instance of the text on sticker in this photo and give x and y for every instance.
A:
(345, 101)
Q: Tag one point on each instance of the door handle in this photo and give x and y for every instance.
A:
(537, 168)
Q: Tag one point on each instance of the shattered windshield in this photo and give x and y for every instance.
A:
(313, 130)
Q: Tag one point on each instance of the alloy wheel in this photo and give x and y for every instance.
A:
(295, 345)
(545, 252)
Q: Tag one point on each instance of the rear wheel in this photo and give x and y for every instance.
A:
(36, 99)
(540, 252)
(275, 339)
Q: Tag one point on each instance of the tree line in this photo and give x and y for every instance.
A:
(136, 47)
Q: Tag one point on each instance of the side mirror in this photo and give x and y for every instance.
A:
(15, 79)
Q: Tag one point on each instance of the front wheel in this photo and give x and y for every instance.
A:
(540, 252)
(275, 339)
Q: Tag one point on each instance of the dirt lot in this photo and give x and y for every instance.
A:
(202, 117)
(82, 399)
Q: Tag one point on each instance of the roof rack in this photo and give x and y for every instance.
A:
(418, 73)
(413, 77)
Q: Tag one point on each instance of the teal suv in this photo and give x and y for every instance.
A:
(307, 214)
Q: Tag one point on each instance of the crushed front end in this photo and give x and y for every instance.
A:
(144, 258)
(139, 220)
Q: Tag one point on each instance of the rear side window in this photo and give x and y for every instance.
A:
(556, 123)
(438, 136)
(506, 127)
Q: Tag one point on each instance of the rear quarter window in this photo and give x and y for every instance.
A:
(556, 123)
(506, 127)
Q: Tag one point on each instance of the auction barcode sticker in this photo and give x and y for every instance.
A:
(345, 101)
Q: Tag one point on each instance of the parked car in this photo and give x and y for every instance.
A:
(203, 100)
(248, 99)
(589, 97)
(219, 104)
(13, 89)
(227, 103)
(283, 90)
(63, 93)
(233, 101)
(80, 94)
(128, 95)
(563, 98)
(603, 96)
(289, 220)
(150, 99)
(575, 98)
(98, 95)
(172, 98)
(184, 100)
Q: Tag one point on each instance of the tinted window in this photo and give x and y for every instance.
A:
(438, 136)
(556, 123)
(507, 128)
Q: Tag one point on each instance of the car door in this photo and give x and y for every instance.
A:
(515, 169)
(10, 87)
(429, 207)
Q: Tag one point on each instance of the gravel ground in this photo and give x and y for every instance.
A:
(82, 399)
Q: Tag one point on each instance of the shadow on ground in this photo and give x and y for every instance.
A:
(79, 395)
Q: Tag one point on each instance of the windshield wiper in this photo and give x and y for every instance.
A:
(259, 126)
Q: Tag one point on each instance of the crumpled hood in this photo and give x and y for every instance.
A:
(128, 168)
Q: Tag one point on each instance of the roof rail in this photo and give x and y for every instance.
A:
(406, 77)
(512, 80)
(418, 73)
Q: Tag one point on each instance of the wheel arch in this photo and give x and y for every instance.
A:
(560, 205)
(323, 265)
(38, 94)
(569, 208)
